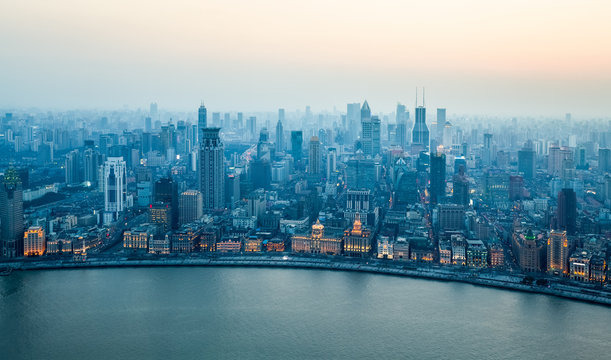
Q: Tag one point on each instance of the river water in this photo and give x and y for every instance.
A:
(211, 313)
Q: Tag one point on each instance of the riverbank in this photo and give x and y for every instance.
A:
(482, 278)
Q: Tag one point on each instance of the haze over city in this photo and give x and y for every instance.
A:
(473, 57)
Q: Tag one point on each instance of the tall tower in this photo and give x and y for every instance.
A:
(191, 206)
(212, 170)
(11, 214)
(115, 188)
(315, 159)
(296, 144)
(331, 162)
(420, 134)
(366, 129)
(401, 131)
(438, 177)
(352, 119)
(202, 121)
(567, 211)
(280, 132)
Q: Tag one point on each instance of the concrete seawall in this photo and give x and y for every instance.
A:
(502, 281)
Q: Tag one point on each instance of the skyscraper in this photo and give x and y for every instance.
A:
(314, 165)
(366, 129)
(331, 162)
(296, 144)
(353, 118)
(420, 134)
(165, 191)
(567, 211)
(11, 214)
(441, 122)
(91, 160)
(115, 188)
(460, 188)
(526, 161)
(202, 121)
(280, 132)
(438, 177)
(212, 170)
(401, 130)
(191, 206)
(72, 168)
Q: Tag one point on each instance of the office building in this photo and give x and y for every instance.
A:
(437, 188)
(191, 205)
(314, 161)
(557, 253)
(212, 170)
(567, 211)
(296, 144)
(114, 183)
(202, 121)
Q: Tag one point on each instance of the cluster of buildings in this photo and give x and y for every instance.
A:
(510, 194)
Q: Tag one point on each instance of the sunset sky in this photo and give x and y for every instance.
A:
(473, 56)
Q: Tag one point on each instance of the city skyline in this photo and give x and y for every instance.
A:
(546, 58)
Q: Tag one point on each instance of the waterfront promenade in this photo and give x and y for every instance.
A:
(484, 277)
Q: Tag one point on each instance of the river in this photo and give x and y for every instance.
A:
(209, 313)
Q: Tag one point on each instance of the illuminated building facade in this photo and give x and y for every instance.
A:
(579, 265)
(557, 253)
(138, 238)
(317, 242)
(34, 243)
(477, 254)
(357, 240)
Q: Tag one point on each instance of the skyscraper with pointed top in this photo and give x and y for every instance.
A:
(420, 134)
(280, 132)
(202, 121)
(370, 135)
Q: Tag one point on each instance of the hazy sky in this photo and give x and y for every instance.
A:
(473, 56)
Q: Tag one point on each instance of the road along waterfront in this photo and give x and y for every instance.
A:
(482, 277)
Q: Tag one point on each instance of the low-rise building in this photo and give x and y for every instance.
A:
(477, 254)
(579, 265)
(385, 247)
(445, 252)
(401, 249)
(34, 242)
(459, 250)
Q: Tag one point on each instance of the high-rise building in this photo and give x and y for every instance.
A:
(366, 129)
(401, 129)
(251, 125)
(353, 119)
(604, 160)
(202, 121)
(557, 252)
(296, 144)
(161, 214)
(165, 191)
(314, 160)
(11, 214)
(34, 243)
(460, 188)
(72, 168)
(526, 161)
(567, 211)
(441, 124)
(437, 178)
(280, 132)
(91, 160)
(331, 162)
(420, 134)
(191, 205)
(375, 136)
(451, 217)
(212, 170)
(115, 188)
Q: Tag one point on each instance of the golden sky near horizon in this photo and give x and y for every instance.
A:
(473, 56)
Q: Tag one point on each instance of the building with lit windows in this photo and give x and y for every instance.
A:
(317, 242)
(357, 240)
(477, 254)
(385, 247)
(34, 241)
(579, 265)
(557, 253)
(138, 238)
